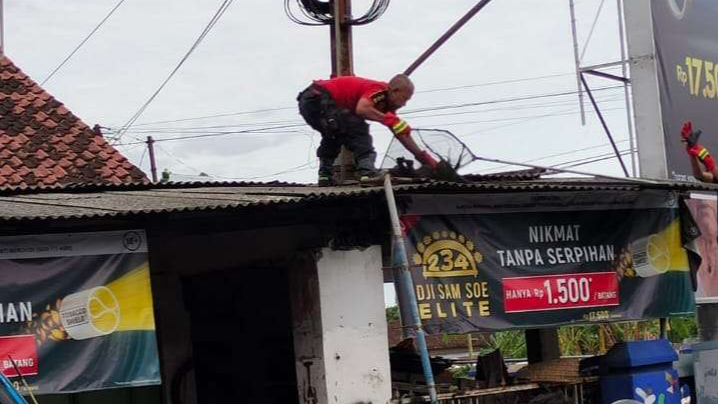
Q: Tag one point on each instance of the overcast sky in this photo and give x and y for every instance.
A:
(255, 58)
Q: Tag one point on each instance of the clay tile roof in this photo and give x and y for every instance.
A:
(43, 143)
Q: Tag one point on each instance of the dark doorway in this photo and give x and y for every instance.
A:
(242, 336)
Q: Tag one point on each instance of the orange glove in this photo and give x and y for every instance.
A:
(398, 126)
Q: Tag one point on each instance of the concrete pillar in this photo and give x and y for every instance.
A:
(339, 326)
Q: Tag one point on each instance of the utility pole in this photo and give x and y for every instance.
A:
(342, 65)
(151, 152)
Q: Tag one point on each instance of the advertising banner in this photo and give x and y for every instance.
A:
(76, 311)
(494, 262)
(685, 37)
(703, 209)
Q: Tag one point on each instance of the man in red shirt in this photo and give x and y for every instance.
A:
(339, 107)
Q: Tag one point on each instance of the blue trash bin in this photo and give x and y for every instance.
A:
(638, 372)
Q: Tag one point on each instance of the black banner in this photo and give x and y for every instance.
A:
(76, 312)
(494, 262)
(685, 36)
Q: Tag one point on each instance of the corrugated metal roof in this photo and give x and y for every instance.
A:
(123, 200)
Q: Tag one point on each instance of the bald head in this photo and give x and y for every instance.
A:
(401, 90)
(401, 81)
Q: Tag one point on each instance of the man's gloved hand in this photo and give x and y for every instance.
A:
(700, 152)
(426, 159)
(689, 136)
(686, 129)
(398, 126)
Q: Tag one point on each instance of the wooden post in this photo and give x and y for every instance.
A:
(342, 65)
(151, 153)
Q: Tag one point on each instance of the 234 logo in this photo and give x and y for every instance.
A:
(447, 254)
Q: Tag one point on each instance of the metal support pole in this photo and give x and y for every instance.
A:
(576, 63)
(151, 152)
(604, 125)
(342, 63)
(399, 258)
(623, 53)
(446, 36)
(606, 75)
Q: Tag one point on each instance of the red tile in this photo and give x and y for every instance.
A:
(47, 145)
(40, 116)
(41, 172)
(23, 171)
(40, 154)
(64, 163)
(58, 172)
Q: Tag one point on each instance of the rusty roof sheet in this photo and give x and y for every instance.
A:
(124, 200)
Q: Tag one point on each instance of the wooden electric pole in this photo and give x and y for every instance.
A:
(342, 65)
(153, 164)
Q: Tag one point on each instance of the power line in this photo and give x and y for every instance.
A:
(215, 116)
(297, 123)
(218, 14)
(503, 100)
(215, 134)
(520, 118)
(195, 129)
(492, 83)
(294, 107)
(607, 156)
(565, 153)
(82, 43)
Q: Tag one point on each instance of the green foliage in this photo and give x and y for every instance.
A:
(681, 328)
(510, 343)
(392, 313)
(459, 371)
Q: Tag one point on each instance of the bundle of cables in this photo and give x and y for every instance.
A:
(316, 12)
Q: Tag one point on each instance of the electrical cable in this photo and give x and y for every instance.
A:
(214, 116)
(294, 107)
(534, 160)
(503, 100)
(196, 129)
(492, 83)
(315, 12)
(591, 30)
(218, 14)
(81, 43)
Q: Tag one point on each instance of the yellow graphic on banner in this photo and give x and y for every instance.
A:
(660, 252)
(122, 305)
(447, 254)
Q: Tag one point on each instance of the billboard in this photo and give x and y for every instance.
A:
(76, 311)
(703, 209)
(685, 40)
(495, 262)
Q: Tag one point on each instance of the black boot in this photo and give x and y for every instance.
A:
(365, 166)
(324, 178)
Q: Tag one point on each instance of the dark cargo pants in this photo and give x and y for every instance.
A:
(338, 127)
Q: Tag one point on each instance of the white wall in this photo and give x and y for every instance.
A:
(645, 89)
(347, 345)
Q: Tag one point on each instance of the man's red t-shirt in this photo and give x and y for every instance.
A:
(348, 90)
